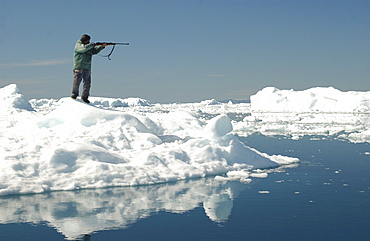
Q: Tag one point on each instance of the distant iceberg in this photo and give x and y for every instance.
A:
(318, 99)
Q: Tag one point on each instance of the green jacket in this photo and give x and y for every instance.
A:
(83, 54)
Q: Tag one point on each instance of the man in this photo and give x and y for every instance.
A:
(83, 52)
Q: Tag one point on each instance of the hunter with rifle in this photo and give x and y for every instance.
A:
(83, 52)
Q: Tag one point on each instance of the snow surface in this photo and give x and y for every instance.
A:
(66, 145)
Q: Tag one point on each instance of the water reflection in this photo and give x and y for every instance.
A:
(77, 214)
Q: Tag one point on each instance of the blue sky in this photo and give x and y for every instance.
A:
(187, 50)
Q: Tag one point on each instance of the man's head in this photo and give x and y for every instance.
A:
(85, 39)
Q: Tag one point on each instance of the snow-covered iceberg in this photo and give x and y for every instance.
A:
(319, 111)
(318, 99)
(72, 145)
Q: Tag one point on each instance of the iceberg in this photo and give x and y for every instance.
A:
(320, 111)
(68, 145)
(318, 99)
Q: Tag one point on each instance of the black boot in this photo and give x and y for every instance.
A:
(85, 100)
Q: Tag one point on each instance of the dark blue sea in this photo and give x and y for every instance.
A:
(325, 197)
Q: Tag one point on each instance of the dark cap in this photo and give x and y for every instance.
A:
(85, 38)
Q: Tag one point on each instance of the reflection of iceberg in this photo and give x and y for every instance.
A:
(218, 207)
(77, 213)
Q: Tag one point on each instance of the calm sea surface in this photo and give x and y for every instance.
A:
(325, 197)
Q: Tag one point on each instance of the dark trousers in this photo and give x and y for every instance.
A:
(78, 76)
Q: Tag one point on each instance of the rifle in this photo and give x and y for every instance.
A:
(109, 43)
